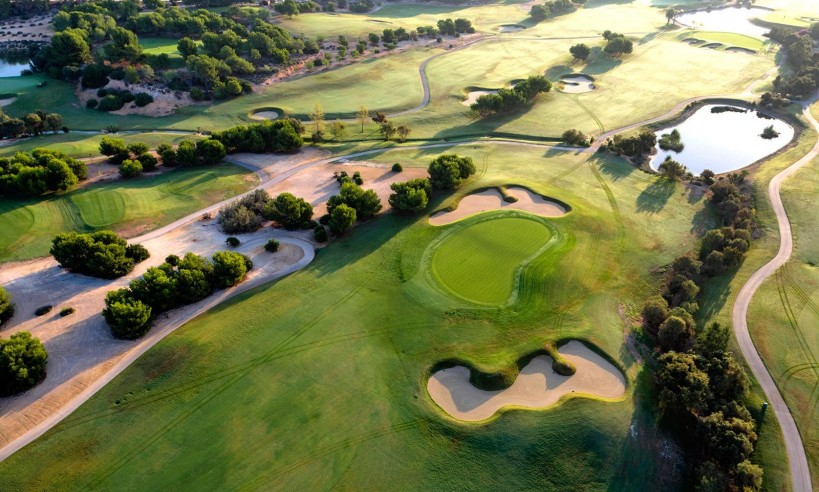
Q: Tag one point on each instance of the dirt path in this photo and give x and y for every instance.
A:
(800, 472)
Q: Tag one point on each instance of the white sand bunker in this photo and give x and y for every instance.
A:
(576, 84)
(511, 28)
(265, 115)
(536, 387)
(472, 97)
(493, 200)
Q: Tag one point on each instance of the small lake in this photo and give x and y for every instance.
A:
(9, 68)
(731, 19)
(724, 141)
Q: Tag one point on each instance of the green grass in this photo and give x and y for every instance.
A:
(480, 260)
(84, 145)
(318, 381)
(126, 206)
(156, 46)
(726, 38)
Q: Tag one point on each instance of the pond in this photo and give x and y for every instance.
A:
(12, 68)
(732, 19)
(725, 140)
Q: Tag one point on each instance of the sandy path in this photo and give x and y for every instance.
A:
(536, 387)
(800, 472)
(492, 199)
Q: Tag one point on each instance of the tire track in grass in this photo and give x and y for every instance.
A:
(808, 302)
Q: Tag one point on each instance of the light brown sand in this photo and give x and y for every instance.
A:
(536, 387)
(265, 115)
(575, 85)
(473, 96)
(492, 200)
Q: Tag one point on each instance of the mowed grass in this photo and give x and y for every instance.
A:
(318, 381)
(727, 38)
(480, 260)
(79, 145)
(126, 206)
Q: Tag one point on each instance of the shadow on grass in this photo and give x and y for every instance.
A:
(714, 295)
(614, 167)
(600, 62)
(654, 198)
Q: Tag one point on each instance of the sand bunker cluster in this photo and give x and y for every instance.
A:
(492, 199)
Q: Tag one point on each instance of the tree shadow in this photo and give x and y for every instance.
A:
(600, 62)
(558, 71)
(654, 198)
(615, 168)
(715, 293)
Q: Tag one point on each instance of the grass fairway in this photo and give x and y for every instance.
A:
(727, 38)
(480, 259)
(127, 206)
(80, 145)
(317, 381)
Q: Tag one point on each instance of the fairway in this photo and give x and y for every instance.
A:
(127, 206)
(480, 260)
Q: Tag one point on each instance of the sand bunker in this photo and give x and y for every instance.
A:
(693, 41)
(493, 200)
(511, 28)
(472, 97)
(737, 49)
(265, 115)
(536, 387)
(576, 84)
(712, 46)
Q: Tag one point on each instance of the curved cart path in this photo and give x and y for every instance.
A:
(800, 473)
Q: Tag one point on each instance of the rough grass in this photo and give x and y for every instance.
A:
(127, 206)
(326, 388)
(479, 260)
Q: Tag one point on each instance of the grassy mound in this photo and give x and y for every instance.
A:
(480, 260)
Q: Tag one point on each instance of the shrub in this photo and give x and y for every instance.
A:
(138, 148)
(357, 179)
(449, 170)
(272, 246)
(233, 241)
(67, 311)
(137, 252)
(320, 234)
(410, 196)
(114, 148)
(148, 161)
(91, 103)
(244, 214)
(229, 268)
(127, 317)
(397, 168)
(6, 306)
(42, 310)
(22, 363)
(130, 168)
(100, 254)
(110, 103)
(143, 99)
(292, 212)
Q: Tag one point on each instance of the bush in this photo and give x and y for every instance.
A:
(244, 214)
(137, 252)
(100, 254)
(91, 103)
(342, 218)
(291, 212)
(272, 246)
(575, 137)
(110, 103)
(42, 310)
(449, 170)
(397, 168)
(410, 196)
(320, 234)
(365, 202)
(22, 363)
(233, 241)
(67, 311)
(6, 306)
(143, 99)
(127, 317)
(115, 149)
(148, 162)
(229, 268)
(130, 168)
(172, 260)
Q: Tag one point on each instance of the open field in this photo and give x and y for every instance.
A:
(366, 306)
(126, 206)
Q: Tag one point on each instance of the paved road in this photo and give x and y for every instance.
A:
(800, 473)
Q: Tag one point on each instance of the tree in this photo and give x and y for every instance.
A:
(288, 8)
(342, 218)
(403, 132)
(363, 115)
(670, 14)
(186, 47)
(317, 117)
(655, 311)
(446, 172)
(338, 129)
(186, 155)
(684, 386)
(365, 202)
(713, 340)
(229, 268)
(619, 45)
(6, 306)
(22, 363)
(127, 317)
(130, 168)
(148, 162)
(748, 476)
(674, 334)
(114, 148)
(388, 130)
(410, 196)
(575, 137)
(210, 151)
(101, 254)
(672, 170)
(292, 212)
(580, 51)
(67, 48)
(124, 45)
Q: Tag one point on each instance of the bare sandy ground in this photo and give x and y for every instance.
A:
(166, 101)
(493, 200)
(536, 387)
(14, 29)
(576, 84)
(472, 97)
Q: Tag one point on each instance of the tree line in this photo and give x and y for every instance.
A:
(30, 124)
(39, 171)
(553, 8)
(101, 254)
(509, 100)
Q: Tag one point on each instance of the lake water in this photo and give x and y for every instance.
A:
(732, 19)
(12, 68)
(724, 141)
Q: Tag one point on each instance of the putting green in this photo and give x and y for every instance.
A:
(481, 261)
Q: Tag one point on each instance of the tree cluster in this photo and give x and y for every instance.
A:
(635, 145)
(799, 49)
(410, 196)
(576, 137)
(247, 213)
(29, 124)
(508, 100)
(283, 135)
(101, 254)
(38, 172)
(9, 8)
(177, 282)
(448, 171)
(365, 203)
(617, 44)
(6, 306)
(22, 363)
(553, 8)
(672, 141)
